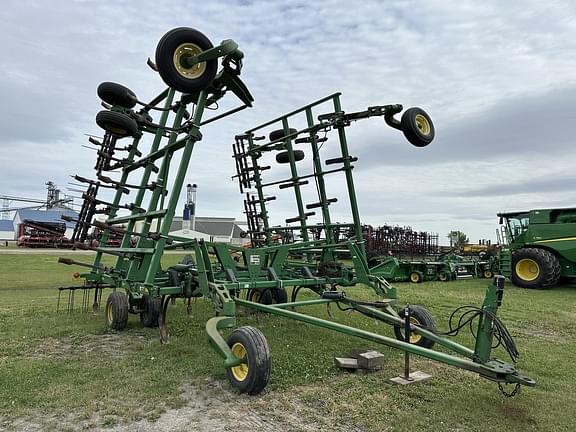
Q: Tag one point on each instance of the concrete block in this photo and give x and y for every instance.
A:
(346, 362)
(371, 360)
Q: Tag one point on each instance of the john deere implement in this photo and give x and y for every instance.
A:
(310, 250)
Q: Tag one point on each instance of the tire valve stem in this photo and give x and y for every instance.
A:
(407, 340)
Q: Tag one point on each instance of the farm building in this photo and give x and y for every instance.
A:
(222, 230)
(7, 230)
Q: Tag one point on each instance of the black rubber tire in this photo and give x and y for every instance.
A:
(116, 315)
(116, 94)
(257, 358)
(118, 124)
(279, 295)
(149, 317)
(165, 51)
(416, 277)
(547, 264)
(279, 133)
(283, 158)
(422, 317)
(261, 296)
(412, 122)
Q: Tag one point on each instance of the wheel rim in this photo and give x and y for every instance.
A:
(414, 277)
(422, 124)
(443, 276)
(487, 274)
(414, 338)
(109, 313)
(527, 269)
(240, 372)
(181, 54)
(256, 297)
(116, 130)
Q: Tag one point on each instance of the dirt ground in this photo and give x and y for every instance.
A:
(208, 407)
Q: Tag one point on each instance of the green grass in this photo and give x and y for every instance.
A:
(59, 363)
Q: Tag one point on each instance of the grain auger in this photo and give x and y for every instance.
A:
(309, 250)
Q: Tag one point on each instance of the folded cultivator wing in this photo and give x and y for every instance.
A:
(310, 250)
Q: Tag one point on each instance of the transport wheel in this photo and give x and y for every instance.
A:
(117, 124)
(535, 268)
(261, 296)
(416, 277)
(152, 305)
(283, 158)
(417, 127)
(117, 94)
(421, 317)
(253, 374)
(443, 276)
(488, 274)
(117, 310)
(174, 49)
(279, 133)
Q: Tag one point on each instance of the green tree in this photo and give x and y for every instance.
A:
(458, 239)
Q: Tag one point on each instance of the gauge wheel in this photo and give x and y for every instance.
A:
(279, 295)
(283, 157)
(488, 274)
(253, 374)
(417, 127)
(172, 53)
(279, 133)
(117, 311)
(535, 268)
(421, 317)
(116, 94)
(149, 316)
(116, 123)
(261, 296)
(416, 277)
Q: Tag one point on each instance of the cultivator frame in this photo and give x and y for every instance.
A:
(325, 257)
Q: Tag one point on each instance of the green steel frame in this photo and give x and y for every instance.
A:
(323, 257)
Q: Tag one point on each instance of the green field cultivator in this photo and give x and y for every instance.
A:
(310, 251)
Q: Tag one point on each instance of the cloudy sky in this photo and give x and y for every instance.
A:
(498, 79)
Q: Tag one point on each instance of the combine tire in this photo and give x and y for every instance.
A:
(117, 311)
(535, 268)
(416, 277)
(171, 53)
(417, 127)
(149, 317)
(253, 374)
(421, 317)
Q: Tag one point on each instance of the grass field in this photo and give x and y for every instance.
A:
(60, 371)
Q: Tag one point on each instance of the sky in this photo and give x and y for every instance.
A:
(497, 78)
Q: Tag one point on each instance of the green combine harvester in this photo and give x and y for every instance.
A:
(539, 246)
(311, 251)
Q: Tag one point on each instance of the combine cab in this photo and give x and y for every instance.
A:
(539, 246)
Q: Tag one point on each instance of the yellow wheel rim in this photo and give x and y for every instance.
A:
(109, 313)
(240, 372)
(414, 338)
(422, 124)
(487, 274)
(527, 269)
(184, 51)
(414, 277)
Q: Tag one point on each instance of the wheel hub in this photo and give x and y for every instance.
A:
(182, 54)
(240, 372)
(527, 269)
(423, 124)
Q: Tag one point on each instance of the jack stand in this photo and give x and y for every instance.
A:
(414, 377)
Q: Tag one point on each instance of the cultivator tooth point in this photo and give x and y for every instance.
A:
(311, 252)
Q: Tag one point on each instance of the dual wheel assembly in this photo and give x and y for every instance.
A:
(535, 268)
(117, 309)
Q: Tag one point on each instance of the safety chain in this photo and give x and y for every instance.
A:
(512, 393)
